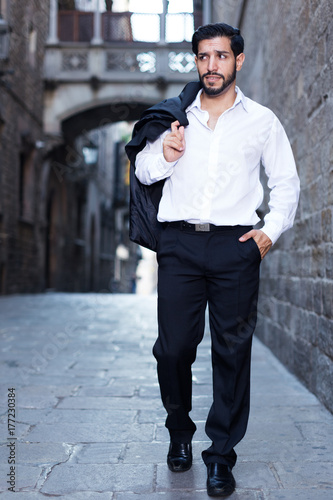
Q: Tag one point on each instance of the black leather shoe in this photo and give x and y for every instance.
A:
(220, 481)
(179, 457)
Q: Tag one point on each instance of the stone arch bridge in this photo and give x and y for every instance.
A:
(86, 87)
(97, 72)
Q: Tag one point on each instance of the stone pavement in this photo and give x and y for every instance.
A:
(89, 423)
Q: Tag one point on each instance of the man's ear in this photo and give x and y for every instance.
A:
(240, 61)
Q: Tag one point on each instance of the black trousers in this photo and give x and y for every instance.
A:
(196, 268)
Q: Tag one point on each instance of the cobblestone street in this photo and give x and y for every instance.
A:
(89, 423)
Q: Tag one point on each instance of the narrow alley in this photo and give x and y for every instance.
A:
(89, 423)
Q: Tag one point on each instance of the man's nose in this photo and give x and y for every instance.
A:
(212, 65)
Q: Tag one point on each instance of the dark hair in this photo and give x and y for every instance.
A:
(219, 29)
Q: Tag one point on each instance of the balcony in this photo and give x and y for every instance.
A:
(107, 45)
(78, 26)
(116, 63)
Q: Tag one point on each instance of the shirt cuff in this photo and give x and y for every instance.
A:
(272, 231)
(163, 165)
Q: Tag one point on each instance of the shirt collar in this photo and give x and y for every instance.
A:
(239, 98)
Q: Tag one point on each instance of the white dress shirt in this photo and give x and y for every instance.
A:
(217, 178)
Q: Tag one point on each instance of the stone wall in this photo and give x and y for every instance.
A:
(289, 47)
(21, 131)
(57, 212)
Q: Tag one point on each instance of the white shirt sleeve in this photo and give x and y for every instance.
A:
(150, 164)
(279, 164)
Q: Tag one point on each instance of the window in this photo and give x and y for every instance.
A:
(90, 5)
(148, 16)
(179, 24)
(145, 19)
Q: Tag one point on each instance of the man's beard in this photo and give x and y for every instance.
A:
(226, 82)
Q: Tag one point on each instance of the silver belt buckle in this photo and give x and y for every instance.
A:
(202, 227)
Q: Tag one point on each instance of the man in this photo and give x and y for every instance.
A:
(208, 251)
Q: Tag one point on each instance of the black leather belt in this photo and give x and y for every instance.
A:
(205, 228)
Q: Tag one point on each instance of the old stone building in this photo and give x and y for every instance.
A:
(62, 196)
(289, 47)
(21, 140)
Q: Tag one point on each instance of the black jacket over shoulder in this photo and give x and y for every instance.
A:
(144, 200)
